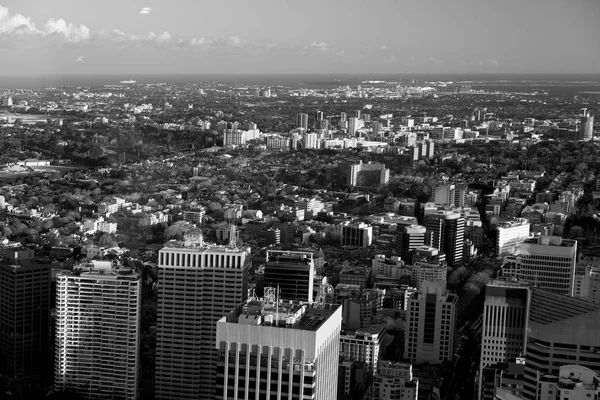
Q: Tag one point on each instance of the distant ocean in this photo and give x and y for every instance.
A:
(569, 84)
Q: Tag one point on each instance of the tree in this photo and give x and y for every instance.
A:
(107, 241)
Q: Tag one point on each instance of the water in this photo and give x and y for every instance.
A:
(554, 84)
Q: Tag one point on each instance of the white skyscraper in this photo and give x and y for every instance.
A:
(199, 283)
(511, 235)
(270, 349)
(97, 332)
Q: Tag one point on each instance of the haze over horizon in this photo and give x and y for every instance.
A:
(284, 37)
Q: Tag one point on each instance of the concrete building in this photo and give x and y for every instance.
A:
(199, 283)
(586, 126)
(98, 313)
(292, 272)
(446, 230)
(278, 350)
(195, 216)
(359, 174)
(573, 382)
(356, 234)
(394, 381)
(428, 264)
(562, 330)
(587, 279)
(504, 324)
(506, 378)
(302, 121)
(24, 310)
(510, 236)
(546, 261)
(409, 238)
(363, 345)
(430, 324)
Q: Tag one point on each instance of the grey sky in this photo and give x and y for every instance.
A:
(237, 36)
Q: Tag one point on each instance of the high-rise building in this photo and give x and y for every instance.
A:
(292, 272)
(199, 284)
(506, 378)
(363, 345)
(562, 330)
(278, 350)
(586, 127)
(302, 121)
(343, 116)
(360, 174)
(430, 324)
(428, 264)
(394, 380)
(408, 239)
(98, 313)
(571, 382)
(447, 230)
(318, 117)
(510, 236)
(24, 318)
(504, 324)
(546, 261)
(356, 234)
(587, 279)
(353, 126)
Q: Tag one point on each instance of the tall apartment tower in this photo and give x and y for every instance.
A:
(430, 324)
(561, 330)
(546, 261)
(278, 350)
(408, 239)
(199, 284)
(302, 121)
(292, 272)
(504, 326)
(586, 127)
(447, 230)
(356, 234)
(24, 318)
(97, 332)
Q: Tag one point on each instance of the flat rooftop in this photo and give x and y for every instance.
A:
(286, 315)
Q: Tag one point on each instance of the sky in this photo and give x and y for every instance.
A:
(41, 37)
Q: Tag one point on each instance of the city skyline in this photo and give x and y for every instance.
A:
(269, 36)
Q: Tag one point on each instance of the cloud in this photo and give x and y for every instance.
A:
(391, 60)
(435, 61)
(69, 31)
(145, 10)
(411, 58)
(492, 62)
(321, 46)
(79, 59)
(489, 62)
(383, 47)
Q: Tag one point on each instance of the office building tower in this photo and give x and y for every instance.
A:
(359, 174)
(356, 234)
(343, 116)
(353, 126)
(200, 283)
(586, 126)
(504, 325)
(24, 319)
(510, 235)
(311, 141)
(407, 239)
(546, 261)
(278, 350)
(447, 230)
(318, 117)
(302, 121)
(428, 264)
(430, 324)
(562, 330)
(393, 381)
(366, 117)
(98, 313)
(357, 114)
(292, 273)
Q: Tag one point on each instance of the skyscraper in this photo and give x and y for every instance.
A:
(278, 350)
(293, 272)
(546, 261)
(24, 317)
(447, 230)
(504, 326)
(302, 121)
(430, 324)
(510, 236)
(97, 332)
(586, 127)
(199, 284)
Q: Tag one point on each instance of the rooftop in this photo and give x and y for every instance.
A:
(281, 314)
(548, 307)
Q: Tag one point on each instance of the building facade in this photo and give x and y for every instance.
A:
(292, 273)
(98, 313)
(199, 284)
